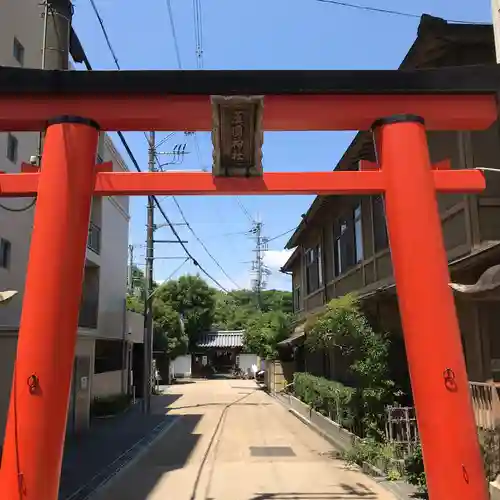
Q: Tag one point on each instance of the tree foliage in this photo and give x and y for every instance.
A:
(193, 299)
(264, 331)
(265, 326)
(169, 336)
(203, 308)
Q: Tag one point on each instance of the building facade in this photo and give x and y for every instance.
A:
(341, 245)
(106, 331)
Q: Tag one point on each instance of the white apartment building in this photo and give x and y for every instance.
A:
(106, 331)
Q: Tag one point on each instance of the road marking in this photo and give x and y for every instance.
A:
(120, 469)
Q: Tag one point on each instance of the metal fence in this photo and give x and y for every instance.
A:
(401, 428)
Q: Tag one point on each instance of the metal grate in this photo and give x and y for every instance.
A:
(271, 451)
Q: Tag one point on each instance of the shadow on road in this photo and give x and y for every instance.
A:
(168, 453)
(349, 492)
(91, 456)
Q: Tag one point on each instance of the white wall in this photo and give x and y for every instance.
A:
(135, 327)
(181, 367)
(114, 256)
(246, 362)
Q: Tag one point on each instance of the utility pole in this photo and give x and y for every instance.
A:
(148, 299)
(130, 269)
(178, 157)
(57, 16)
(259, 269)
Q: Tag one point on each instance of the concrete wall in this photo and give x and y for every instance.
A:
(114, 255)
(181, 366)
(8, 346)
(246, 362)
(107, 384)
(135, 327)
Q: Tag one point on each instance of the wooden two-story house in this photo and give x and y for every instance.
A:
(341, 244)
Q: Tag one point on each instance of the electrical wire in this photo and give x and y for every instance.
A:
(174, 34)
(177, 269)
(280, 235)
(103, 29)
(198, 32)
(203, 244)
(136, 164)
(381, 10)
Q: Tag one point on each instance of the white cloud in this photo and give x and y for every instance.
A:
(275, 259)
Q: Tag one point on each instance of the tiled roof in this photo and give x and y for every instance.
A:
(221, 339)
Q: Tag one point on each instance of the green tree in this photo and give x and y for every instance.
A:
(264, 331)
(169, 336)
(344, 328)
(191, 297)
(235, 310)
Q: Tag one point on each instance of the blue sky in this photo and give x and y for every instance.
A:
(256, 34)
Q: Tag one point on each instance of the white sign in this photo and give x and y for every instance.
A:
(84, 381)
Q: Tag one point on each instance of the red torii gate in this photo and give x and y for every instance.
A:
(74, 106)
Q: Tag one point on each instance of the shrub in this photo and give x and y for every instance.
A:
(380, 455)
(489, 440)
(344, 328)
(414, 469)
(327, 397)
(110, 405)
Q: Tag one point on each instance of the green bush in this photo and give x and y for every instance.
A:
(110, 405)
(343, 328)
(380, 455)
(414, 469)
(327, 397)
(489, 439)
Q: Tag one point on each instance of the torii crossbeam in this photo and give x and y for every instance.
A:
(74, 106)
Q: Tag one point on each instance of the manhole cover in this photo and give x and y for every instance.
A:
(271, 451)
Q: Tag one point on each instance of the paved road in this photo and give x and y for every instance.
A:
(231, 441)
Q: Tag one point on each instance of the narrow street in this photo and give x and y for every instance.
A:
(231, 441)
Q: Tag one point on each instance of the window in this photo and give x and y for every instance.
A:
(109, 355)
(309, 256)
(297, 306)
(344, 249)
(379, 224)
(18, 51)
(313, 269)
(5, 248)
(320, 265)
(358, 234)
(12, 146)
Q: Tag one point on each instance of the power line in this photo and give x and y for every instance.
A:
(198, 32)
(174, 33)
(198, 35)
(381, 10)
(280, 235)
(103, 29)
(138, 168)
(203, 244)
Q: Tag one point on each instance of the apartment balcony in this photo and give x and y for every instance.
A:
(89, 310)
(94, 239)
